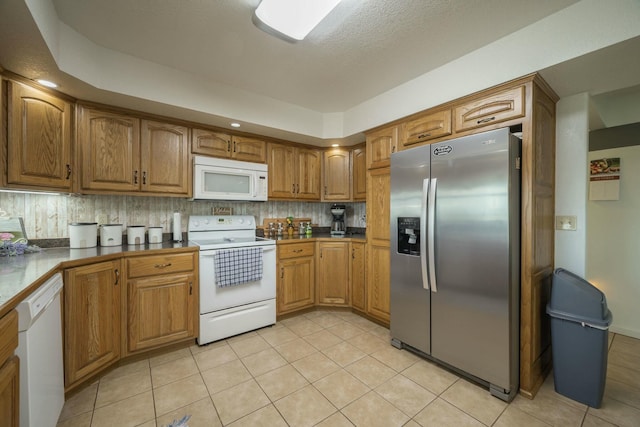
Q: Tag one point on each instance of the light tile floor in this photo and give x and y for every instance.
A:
(331, 369)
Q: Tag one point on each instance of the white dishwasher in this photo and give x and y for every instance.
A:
(40, 353)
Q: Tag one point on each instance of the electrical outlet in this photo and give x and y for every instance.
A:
(566, 222)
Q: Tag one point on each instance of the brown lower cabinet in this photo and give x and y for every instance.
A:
(296, 277)
(333, 273)
(91, 319)
(114, 309)
(9, 371)
(358, 276)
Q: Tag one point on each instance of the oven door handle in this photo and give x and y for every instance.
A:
(211, 252)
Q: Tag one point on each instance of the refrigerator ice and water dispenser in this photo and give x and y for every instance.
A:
(409, 235)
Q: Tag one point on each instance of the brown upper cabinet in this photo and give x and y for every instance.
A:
(380, 144)
(359, 179)
(426, 127)
(336, 164)
(294, 172)
(219, 144)
(121, 153)
(494, 108)
(39, 139)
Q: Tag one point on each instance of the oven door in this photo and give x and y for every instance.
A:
(213, 298)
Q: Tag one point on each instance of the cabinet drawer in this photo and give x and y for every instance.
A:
(296, 250)
(159, 264)
(505, 105)
(427, 127)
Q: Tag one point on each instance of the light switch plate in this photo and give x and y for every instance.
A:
(566, 222)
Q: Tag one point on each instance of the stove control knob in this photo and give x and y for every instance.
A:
(206, 221)
(196, 224)
(240, 220)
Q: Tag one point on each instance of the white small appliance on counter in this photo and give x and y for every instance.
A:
(237, 276)
(83, 235)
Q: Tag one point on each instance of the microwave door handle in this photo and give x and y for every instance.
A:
(423, 228)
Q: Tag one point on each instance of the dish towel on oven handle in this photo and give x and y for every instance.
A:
(237, 266)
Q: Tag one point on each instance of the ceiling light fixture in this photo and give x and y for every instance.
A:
(335, 145)
(293, 18)
(235, 124)
(46, 83)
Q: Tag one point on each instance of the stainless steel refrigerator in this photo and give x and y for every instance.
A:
(455, 255)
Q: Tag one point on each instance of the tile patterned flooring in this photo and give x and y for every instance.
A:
(329, 368)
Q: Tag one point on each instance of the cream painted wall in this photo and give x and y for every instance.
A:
(572, 141)
(613, 243)
(48, 216)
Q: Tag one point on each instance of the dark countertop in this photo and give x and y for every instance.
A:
(285, 238)
(22, 274)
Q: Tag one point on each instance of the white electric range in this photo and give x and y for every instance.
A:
(237, 275)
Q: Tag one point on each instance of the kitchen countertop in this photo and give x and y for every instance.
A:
(20, 275)
(285, 238)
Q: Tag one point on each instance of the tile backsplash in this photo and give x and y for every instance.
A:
(48, 216)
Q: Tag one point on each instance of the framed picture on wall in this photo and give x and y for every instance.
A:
(604, 179)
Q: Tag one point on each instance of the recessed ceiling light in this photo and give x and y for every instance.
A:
(335, 145)
(46, 83)
(294, 18)
(235, 125)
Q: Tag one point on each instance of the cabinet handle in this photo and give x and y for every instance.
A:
(293, 188)
(393, 149)
(144, 177)
(488, 119)
(234, 146)
(282, 272)
(117, 272)
(297, 251)
(353, 253)
(325, 190)
(424, 135)
(135, 177)
(163, 265)
(298, 188)
(190, 288)
(229, 145)
(68, 172)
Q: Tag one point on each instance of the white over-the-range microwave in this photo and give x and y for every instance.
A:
(224, 179)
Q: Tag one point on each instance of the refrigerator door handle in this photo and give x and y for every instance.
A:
(423, 227)
(431, 234)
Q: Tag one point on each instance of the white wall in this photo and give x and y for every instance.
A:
(572, 145)
(613, 243)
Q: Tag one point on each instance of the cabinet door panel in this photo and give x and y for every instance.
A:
(248, 149)
(91, 318)
(39, 144)
(378, 205)
(10, 393)
(358, 276)
(498, 107)
(165, 158)
(209, 143)
(428, 127)
(380, 145)
(333, 273)
(309, 171)
(160, 311)
(296, 284)
(337, 175)
(110, 151)
(379, 277)
(282, 171)
(359, 157)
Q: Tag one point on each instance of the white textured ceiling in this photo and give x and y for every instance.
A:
(127, 52)
(363, 48)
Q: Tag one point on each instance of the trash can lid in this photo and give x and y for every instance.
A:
(575, 299)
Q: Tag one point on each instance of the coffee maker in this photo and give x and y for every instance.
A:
(337, 223)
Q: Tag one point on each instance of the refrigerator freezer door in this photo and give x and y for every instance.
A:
(410, 314)
(476, 217)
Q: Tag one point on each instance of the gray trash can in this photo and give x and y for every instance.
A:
(580, 322)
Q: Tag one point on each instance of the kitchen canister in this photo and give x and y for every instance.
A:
(110, 234)
(135, 234)
(155, 234)
(83, 235)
